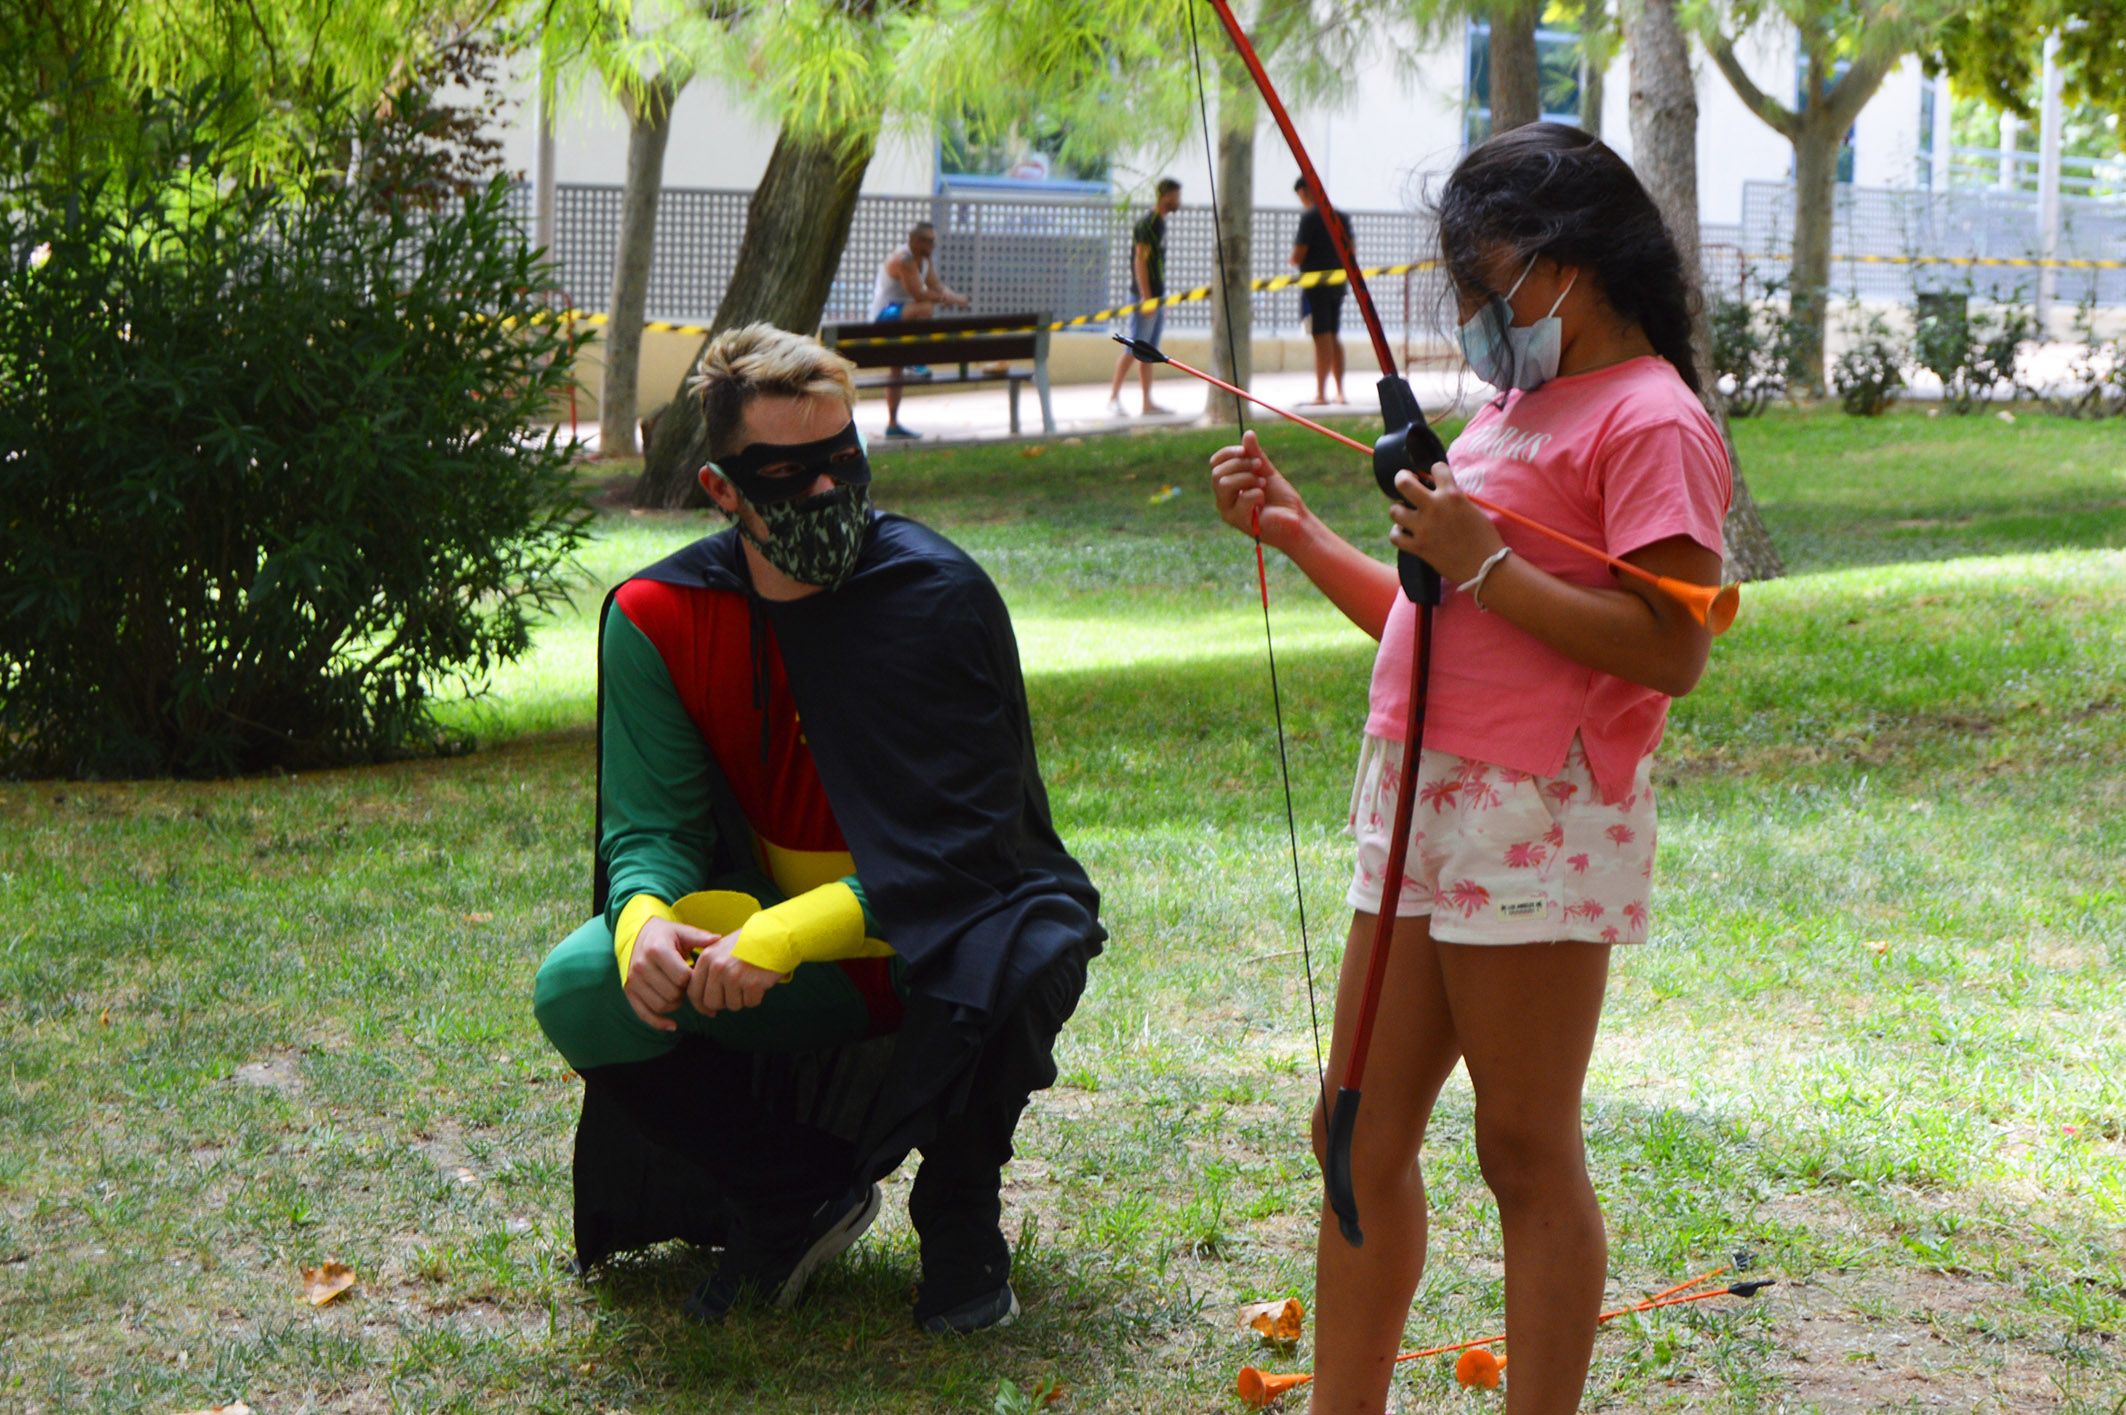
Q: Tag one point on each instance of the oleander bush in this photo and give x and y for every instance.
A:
(1870, 373)
(268, 493)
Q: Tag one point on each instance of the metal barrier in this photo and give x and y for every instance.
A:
(1892, 244)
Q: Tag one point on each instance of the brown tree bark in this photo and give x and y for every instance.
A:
(649, 129)
(796, 225)
(1232, 312)
(1664, 142)
(1516, 79)
(1815, 128)
(1595, 23)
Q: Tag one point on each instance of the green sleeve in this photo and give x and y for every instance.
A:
(657, 828)
(856, 888)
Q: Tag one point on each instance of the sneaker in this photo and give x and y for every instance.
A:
(966, 1281)
(1115, 408)
(917, 371)
(994, 1309)
(896, 430)
(778, 1278)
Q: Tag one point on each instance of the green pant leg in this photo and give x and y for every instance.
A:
(580, 1006)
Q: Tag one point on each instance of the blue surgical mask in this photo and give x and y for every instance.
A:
(1509, 356)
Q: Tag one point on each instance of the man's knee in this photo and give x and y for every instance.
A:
(568, 990)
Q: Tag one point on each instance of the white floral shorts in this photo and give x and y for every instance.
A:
(1499, 856)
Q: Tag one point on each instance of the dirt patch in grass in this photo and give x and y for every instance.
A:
(1894, 1339)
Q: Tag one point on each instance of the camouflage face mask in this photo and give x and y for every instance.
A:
(815, 540)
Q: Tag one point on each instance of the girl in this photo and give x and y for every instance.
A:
(1532, 844)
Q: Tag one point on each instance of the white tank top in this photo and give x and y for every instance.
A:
(890, 290)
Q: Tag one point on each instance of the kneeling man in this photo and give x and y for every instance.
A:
(823, 853)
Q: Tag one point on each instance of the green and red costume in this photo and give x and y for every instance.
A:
(871, 739)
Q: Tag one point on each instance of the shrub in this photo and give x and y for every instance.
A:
(1748, 359)
(2095, 385)
(1974, 357)
(1870, 372)
(268, 488)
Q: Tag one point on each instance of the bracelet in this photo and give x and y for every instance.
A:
(1474, 585)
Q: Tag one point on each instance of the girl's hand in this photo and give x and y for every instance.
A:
(1245, 482)
(1441, 526)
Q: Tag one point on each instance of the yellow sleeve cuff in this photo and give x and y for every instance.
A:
(638, 911)
(819, 926)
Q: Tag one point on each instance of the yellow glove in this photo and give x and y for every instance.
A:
(819, 926)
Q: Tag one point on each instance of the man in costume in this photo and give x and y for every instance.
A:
(832, 922)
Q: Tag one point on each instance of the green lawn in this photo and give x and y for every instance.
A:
(253, 1026)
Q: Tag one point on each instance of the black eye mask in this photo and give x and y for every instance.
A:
(767, 473)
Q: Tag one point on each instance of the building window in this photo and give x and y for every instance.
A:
(1801, 101)
(1558, 61)
(1028, 155)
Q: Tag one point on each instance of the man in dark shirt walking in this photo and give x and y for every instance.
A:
(1321, 307)
(1148, 281)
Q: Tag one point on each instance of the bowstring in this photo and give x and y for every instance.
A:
(1262, 575)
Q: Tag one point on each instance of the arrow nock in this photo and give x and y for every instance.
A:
(1145, 351)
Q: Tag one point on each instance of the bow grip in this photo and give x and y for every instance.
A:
(1336, 1164)
(1410, 444)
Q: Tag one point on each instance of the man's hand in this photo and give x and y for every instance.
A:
(725, 983)
(657, 973)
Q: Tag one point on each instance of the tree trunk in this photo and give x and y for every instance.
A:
(1594, 51)
(796, 225)
(1809, 280)
(1664, 142)
(1516, 79)
(649, 128)
(1232, 312)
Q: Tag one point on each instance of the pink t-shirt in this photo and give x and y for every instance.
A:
(1619, 457)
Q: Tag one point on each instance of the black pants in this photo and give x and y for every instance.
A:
(749, 1138)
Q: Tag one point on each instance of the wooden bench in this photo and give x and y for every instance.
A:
(968, 341)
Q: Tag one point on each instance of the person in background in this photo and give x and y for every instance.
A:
(1321, 307)
(908, 288)
(1148, 282)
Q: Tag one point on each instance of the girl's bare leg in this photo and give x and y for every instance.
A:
(1362, 1295)
(1525, 1017)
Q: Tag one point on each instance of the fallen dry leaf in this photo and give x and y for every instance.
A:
(1282, 1320)
(1878, 946)
(321, 1285)
(234, 1407)
(479, 918)
(104, 1018)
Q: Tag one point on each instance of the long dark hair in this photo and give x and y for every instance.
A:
(1550, 190)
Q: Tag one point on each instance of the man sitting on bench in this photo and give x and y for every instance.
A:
(909, 288)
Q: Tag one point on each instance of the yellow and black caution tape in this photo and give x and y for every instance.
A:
(593, 319)
(2016, 262)
(1308, 280)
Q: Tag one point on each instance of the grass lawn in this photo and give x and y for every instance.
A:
(252, 1026)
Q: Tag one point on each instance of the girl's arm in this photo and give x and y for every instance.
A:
(1245, 481)
(1631, 631)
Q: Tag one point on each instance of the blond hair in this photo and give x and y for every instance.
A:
(761, 361)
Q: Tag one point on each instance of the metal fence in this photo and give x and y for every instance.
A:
(1062, 256)
(1071, 256)
(1899, 225)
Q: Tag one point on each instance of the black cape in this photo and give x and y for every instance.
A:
(907, 680)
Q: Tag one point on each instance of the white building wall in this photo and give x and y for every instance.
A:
(1396, 129)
